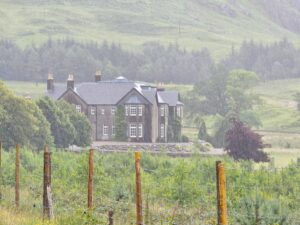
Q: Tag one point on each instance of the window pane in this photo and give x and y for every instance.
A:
(162, 111)
(93, 111)
(132, 110)
(78, 108)
(105, 130)
(113, 130)
(113, 110)
(132, 130)
(140, 130)
(162, 130)
(140, 110)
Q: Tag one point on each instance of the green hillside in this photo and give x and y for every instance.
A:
(215, 24)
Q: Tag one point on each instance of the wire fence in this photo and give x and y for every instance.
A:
(265, 195)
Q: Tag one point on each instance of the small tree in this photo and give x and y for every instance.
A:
(120, 124)
(297, 99)
(243, 143)
(202, 131)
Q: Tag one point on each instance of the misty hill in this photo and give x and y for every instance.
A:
(215, 24)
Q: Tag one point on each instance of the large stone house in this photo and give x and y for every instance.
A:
(149, 110)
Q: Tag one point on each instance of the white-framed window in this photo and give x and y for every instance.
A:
(132, 130)
(105, 130)
(113, 110)
(113, 130)
(162, 110)
(140, 110)
(102, 111)
(133, 110)
(126, 110)
(178, 111)
(93, 110)
(162, 130)
(140, 130)
(78, 108)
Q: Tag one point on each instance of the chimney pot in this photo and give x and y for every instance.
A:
(50, 82)
(98, 76)
(70, 81)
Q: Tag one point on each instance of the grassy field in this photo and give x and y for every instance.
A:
(216, 24)
(34, 90)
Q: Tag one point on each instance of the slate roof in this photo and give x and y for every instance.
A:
(103, 93)
(169, 97)
(110, 92)
(59, 89)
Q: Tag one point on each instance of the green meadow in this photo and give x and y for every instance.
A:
(216, 25)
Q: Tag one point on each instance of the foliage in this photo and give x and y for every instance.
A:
(178, 189)
(60, 57)
(81, 124)
(61, 128)
(224, 95)
(174, 129)
(222, 125)
(214, 92)
(297, 99)
(202, 132)
(174, 64)
(120, 124)
(21, 121)
(258, 210)
(243, 143)
(238, 82)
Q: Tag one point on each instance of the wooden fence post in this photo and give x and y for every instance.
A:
(221, 194)
(110, 217)
(17, 177)
(138, 191)
(47, 197)
(90, 179)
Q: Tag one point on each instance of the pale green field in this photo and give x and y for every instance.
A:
(34, 90)
(191, 24)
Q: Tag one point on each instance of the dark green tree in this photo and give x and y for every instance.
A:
(61, 128)
(202, 131)
(81, 124)
(174, 129)
(120, 124)
(21, 121)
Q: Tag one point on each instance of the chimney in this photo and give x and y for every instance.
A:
(70, 82)
(160, 87)
(50, 82)
(98, 76)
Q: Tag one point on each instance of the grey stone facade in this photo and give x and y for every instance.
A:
(147, 109)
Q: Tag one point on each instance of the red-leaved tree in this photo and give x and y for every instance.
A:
(243, 143)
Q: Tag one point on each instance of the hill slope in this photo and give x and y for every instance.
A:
(216, 24)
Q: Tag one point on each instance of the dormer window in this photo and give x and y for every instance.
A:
(78, 108)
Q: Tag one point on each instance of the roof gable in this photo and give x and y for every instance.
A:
(134, 97)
